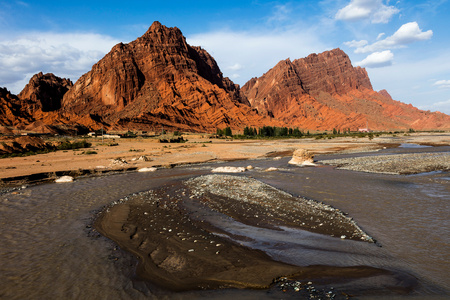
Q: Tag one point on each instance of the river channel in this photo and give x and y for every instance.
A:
(50, 250)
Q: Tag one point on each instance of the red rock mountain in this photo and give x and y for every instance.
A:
(11, 112)
(324, 91)
(45, 91)
(35, 109)
(159, 79)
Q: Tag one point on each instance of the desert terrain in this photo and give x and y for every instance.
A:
(131, 154)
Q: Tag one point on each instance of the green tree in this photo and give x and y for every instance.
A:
(227, 131)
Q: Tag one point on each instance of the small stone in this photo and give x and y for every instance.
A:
(147, 169)
(64, 179)
(271, 169)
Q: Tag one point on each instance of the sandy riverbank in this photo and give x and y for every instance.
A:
(198, 148)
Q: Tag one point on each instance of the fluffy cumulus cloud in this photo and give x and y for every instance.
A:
(373, 10)
(408, 33)
(65, 55)
(377, 60)
(443, 84)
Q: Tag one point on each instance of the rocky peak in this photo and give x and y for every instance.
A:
(324, 91)
(331, 72)
(385, 94)
(11, 112)
(46, 91)
(158, 77)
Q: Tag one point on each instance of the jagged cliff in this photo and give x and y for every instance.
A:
(324, 91)
(11, 111)
(45, 92)
(159, 79)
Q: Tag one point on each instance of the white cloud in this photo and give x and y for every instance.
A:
(377, 60)
(380, 35)
(374, 10)
(443, 83)
(281, 13)
(356, 44)
(256, 52)
(235, 67)
(406, 34)
(442, 106)
(66, 55)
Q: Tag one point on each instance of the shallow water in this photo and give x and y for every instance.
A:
(48, 250)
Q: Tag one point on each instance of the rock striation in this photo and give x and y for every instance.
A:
(324, 91)
(160, 80)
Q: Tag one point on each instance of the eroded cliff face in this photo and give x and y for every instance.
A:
(159, 79)
(324, 91)
(11, 111)
(45, 92)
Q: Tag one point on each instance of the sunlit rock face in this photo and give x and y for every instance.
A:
(324, 91)
(159, 79)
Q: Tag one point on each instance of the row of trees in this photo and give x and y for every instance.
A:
(272, 131)
(266, 131)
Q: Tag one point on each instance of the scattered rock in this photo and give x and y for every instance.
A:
(408, 163)
(151, 169)
(142, 158)
(119, 161)
(271, 169)
(64, 179)
(228, 170)
(249, 168)
(302, 157)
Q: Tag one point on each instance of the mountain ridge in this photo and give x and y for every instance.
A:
(159, 80)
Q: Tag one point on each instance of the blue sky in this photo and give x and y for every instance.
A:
(404, 45)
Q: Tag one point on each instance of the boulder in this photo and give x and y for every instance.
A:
(302, 157)
(229, 170)
(64, 179)
(151, 169)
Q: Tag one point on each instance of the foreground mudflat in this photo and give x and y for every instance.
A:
(180, 234)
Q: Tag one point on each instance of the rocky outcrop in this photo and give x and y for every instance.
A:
(45, 92)
(11, 112)
(302, 157)
(324, 91)
(159, 79)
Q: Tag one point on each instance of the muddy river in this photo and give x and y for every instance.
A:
(50, 250)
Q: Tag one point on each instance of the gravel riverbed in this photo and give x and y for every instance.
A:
(403, 164)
